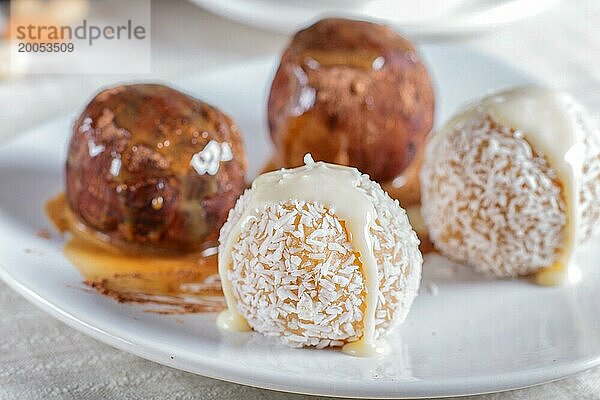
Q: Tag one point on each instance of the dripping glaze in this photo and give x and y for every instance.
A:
(545, 119)
(338, 189)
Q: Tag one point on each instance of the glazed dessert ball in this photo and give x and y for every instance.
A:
(150, 166)
(352, 93)
(319, 256)
(512, 182)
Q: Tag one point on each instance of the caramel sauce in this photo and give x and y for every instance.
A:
(406, 188)
(418, 224)
(177, 283)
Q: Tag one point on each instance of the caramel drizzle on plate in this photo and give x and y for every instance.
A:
(176, 284)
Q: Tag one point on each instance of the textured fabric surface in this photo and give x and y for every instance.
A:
(41, 358)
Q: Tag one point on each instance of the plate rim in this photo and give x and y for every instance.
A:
(227, 372)
(445, 26)
(520, 379)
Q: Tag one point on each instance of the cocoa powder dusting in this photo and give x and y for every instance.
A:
(168, 305)
(43, 233)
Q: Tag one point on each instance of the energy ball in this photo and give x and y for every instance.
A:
(150, 167)
(352, 93)
(512, 183)
(318, 256)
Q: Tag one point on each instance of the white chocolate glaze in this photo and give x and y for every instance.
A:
(547, 120)
(336, 187)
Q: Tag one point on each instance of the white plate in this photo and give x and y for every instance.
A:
(418, 19)
(475, 335)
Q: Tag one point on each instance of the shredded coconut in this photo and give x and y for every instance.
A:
(491, 201)
(295, 275)
(589, 194)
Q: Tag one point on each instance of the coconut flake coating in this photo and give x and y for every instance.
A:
(589, 194)
(491, 201)
(295, 275)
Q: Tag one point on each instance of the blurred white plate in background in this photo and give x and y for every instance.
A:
(415, 18)
(465, 334)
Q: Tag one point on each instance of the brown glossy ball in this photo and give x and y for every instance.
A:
(130, 174)
(353, 93)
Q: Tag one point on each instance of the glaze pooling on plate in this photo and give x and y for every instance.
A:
(167, 283)
(340, 190)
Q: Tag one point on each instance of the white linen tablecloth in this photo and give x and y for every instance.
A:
(41, 358)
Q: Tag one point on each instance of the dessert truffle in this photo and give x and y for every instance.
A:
(352, 93)
(512, 183)
(318, 256)
(150, 166)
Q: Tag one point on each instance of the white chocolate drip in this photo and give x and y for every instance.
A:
(337, 188)
(547, 120)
